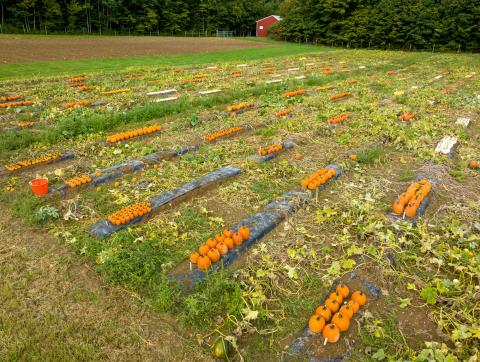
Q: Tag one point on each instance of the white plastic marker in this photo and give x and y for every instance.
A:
(168, 99)
(213, 91)
(274, 81)
(300, 77)
(166, 91)
(293, 69)
(242, 65)
(463, 121)
(446, 145)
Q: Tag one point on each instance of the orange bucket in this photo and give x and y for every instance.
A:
(39, 186)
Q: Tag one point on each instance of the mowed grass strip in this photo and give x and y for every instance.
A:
(57, 68)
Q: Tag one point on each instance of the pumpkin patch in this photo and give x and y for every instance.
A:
(338, 119)
(223, 133)
(284, 112)
(295, 93)
(129, 213)
(318, 178)
(122, 136)
(219, 246)
(339, 96)
(269, 150)
(408, 202)
(33, 162)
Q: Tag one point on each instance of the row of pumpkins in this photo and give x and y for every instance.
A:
(337, 312)
(220, 245)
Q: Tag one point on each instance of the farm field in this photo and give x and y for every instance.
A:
(297, 173)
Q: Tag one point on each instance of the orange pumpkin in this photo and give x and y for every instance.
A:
(228, 233)
(203, 250)
(341, 321)
(333, 305)
(237, 239)
(331, 333)
(214, 255)
(324, 312)
(397, 207)
(473, 164)
(212, 243)
(229, 243)
(316, 324)
(222, 248)
(194, 257)
(346, 311)
(353, 305)
(411, 210)
(343, 290)
(244, 232)
(359, 297)
(337, 296)
(204, 262)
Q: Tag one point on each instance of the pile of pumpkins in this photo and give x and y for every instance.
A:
(409, 201)
(115, 91)
(272, 149)
(76, 104)
(121, 136)
(338, 119)
(223, 133)
(407, 116)
(293, 93)
(334, 317)
(77, 181)
(15, 104)
(32, 162)
(239, 107)
(318, 178)
(218, 246)
(339, 96)
(10, 98)
(129, 213)
(284, 112)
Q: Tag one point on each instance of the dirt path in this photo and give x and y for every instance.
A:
(18, 49)
(54, 309)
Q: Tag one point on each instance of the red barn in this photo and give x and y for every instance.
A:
(265, 23)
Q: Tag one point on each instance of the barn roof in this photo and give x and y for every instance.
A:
(278, 17)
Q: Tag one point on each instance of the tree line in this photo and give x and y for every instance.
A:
(401, 24)
(133, 16)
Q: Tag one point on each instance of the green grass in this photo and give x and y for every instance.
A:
(57, 68)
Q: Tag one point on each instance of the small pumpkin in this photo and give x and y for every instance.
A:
(212, 243)
(333, 305)
(214, 255)
(237, 239)
(398, 207)
(324, 312)
(353, 157)
(222, 248)
(353, 305)
(194, 257)
(244, 232)
(203, 250)
(221, 348)
(316, 324)
(343, 290)
(331, 333)
(359, 297)
(341, 321)
(346, 311)
(229, 243)
(228, 233)
(337, 296)
(411, 210)
(204, 262)
(473, 164)
(219, 238)
(298, 156)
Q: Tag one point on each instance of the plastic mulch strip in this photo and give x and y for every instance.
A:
(298, 349)
(259, 224)
(104, 228)
(286, 146)
(64, 157)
